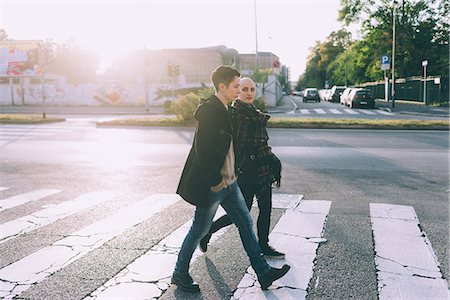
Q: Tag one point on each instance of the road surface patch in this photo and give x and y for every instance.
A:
(34, 268)
(25, 198)
(298, 234)
(407, 267)
(46, 216)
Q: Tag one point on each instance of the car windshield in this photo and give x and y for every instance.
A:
(363, 93)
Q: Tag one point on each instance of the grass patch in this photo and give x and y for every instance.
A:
(298, 123)
(358, 123)
(439, 104)
(156, 122)
(27, 119)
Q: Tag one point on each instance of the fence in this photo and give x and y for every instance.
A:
(412, 89)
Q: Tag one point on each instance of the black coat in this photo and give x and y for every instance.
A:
(211, 143)
(256, 162)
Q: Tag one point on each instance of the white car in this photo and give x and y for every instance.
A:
(344, 97)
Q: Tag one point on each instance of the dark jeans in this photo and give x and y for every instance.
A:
(264, 199)
(232, 201)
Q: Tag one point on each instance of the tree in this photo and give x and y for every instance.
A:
(76, 64)
(321, 61)
(421, 33)
(3, 35)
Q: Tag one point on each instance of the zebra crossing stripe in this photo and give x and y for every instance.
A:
(351, 111)
(46, 216)
(304, 111)
(149, 275)
(320, 111)
(297, 234)
(25, 198)
(22, 274)
(335, 111)
(407, 267)
(385, 112)
(3, 188)
(367, 112)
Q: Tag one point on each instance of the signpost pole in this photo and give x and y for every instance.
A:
(424, 64)
(385, 64)
(386, 87)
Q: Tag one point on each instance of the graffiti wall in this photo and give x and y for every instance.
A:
(98, 94)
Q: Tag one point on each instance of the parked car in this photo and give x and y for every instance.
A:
(296, 93)
(336, 92)
(361, 97)
(323, 94)
(311, 94)
(344, 97)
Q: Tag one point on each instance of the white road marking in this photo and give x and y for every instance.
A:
(366, 111)
(384, 112)
(46, 216)
(34, 268)
(297, 234)
(26, 197)
(149, 275)
(305, 111)
(335, 111)
(407, 267)
(319, 111)
(351, 111)
(3, 188)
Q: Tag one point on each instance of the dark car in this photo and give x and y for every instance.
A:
(311, 94)
(361, 98)
(336, 92)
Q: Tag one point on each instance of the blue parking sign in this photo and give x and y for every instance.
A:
(385, 62)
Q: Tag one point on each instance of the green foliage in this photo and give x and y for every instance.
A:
(260, 76)
(260, 103)
(185, 106)
(205, 93)
(322, 61)
(422, 28)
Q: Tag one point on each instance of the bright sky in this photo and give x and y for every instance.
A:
(110, 28)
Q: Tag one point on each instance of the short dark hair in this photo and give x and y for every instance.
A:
(223, 74)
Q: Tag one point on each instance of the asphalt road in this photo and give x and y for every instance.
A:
(351, 168)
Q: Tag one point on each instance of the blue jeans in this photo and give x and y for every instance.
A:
(232, 201)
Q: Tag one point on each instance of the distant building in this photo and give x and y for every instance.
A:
(194, 64)
(266, 61)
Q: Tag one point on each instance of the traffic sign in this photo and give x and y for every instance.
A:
(385, 62)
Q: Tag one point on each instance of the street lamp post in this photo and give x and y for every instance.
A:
(424, 64)
(256, 40)
(393, 54)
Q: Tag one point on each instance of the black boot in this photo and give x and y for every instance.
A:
(204, 242)
(185, 282)
(270, 252)
(266, 280)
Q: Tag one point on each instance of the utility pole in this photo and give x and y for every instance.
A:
(256, 40)
(393, 54)
(424, 64)
(42, 63)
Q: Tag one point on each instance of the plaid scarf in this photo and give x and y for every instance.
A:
(249, 126)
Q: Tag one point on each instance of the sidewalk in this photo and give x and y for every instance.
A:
(413, 108)
(285, 104)
(83, 110)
